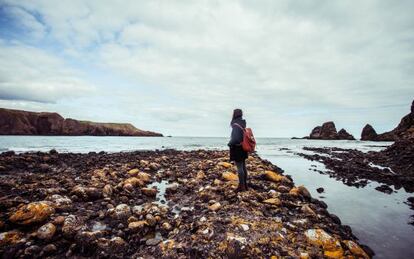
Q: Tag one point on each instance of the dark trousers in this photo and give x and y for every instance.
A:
(242, 172)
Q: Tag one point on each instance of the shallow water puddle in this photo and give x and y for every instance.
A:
(98, 226)
(161, 187)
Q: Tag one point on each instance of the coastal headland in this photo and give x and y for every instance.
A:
(18, 122)
(175, 204)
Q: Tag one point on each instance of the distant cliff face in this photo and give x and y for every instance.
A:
(328, 131)
(404, 130)
(15, 122)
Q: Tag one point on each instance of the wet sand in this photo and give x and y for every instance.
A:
(177, 204)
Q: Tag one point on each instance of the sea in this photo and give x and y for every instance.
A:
(377, 219)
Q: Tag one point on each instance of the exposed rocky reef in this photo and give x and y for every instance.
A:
(404, 130)
(160, 204)
(16, 122)
(328, 132)
(392, 166)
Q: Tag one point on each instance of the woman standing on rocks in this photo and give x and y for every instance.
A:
(237, 154)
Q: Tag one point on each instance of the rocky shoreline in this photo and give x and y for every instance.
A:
(175, 204)
(392, 166)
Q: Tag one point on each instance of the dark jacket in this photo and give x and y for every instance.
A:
(236, 151)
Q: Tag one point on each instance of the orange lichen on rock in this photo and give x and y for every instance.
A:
(134, 181)
(272, 201)
(331, 246)
(144, 177)
(300, 190)
(34, 212)
(133, 172)
(10, 237)
(355, 249)
(225, 164)
(229, 176)
(275, 177)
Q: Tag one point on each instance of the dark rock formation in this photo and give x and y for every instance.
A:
(368, 133)
(391, 166)
(15, 122)
(343, 134)
(316, 133)
(328, 131)
(412, 107)
(404, 130)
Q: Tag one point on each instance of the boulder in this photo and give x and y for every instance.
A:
(86, 193)
(71, 225)
(34, 212)
(137, 226)
(300, 190)
(331, 246)
(46, 231)
(134, 181)
(215, 206)
(275, 177)
(60, 202)
(225, 165)
(10, 237)
(356, 249)
(133, 172)
(229, 176)
(107, 190)
(150, 192)
(144, 177)
(122, 211)
(308, 210)
(49, 249)
(273, 201)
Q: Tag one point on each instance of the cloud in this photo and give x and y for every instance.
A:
(285, 63)
(23, 20)
(27, 73)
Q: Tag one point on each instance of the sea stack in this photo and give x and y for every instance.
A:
(328, 132)
(368, 133)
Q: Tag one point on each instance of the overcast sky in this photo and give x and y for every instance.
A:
(181, 67)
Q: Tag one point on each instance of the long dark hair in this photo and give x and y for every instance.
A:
(237, 113)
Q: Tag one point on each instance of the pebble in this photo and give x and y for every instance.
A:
(153, 242)
(46, 231)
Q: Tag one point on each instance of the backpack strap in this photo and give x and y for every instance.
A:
(238, 125)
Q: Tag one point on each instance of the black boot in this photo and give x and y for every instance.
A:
(241, 187)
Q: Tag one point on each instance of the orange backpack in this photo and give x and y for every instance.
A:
(248, 143)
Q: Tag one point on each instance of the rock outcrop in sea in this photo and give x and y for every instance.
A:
(17, 122)
(404, 130)
(368, 133)
(328, 132)
(391, 166)
(161, 204)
